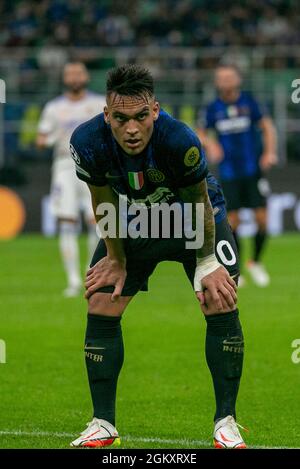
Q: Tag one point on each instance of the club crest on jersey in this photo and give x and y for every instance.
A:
(136, 179)
(74, 154)
(155, 175)
(192, 156)
(232, 111)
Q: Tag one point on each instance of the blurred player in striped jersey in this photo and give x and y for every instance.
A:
(233, 117)
(69, 195)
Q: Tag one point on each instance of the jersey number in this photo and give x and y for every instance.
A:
(222, 255)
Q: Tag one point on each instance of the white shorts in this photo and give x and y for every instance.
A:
(69, 196)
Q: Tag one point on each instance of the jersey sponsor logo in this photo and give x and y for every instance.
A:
(233, 125)
(192, 156)
(155, 175)
(74, 154)
(161, 194)
(136, 179)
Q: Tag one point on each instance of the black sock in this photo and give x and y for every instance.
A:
(224, 355)
(104, 355)
(259, 243)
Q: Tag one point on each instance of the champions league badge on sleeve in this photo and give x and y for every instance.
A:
(192, 156)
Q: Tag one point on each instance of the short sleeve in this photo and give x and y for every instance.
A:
(256, 110)
(84, 155)
(189, 164)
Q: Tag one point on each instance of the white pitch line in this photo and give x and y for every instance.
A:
(132, 438)
(125, 438)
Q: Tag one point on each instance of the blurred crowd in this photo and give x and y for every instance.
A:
(207, 23)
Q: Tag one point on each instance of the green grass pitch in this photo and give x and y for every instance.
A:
(165, 396)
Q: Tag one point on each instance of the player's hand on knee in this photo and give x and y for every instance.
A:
(208, 306)
(221, 291)
(107, 272)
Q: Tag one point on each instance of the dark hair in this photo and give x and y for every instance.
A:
(130, 80)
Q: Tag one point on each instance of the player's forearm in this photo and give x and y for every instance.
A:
(203, 136)
(197, 194)
(114, 245)
(208, 247)
(41, 140)
(102, 199)
(269, 136)
(115, 249)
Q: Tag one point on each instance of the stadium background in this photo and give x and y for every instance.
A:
(180, 42)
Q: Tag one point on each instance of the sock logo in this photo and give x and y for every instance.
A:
(93, 356)
(233, 344)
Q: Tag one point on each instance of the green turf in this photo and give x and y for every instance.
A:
(165, 392)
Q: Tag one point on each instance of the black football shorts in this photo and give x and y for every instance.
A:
(143, 255)
(248, 192)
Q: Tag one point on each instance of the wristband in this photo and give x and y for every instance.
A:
(205, 266)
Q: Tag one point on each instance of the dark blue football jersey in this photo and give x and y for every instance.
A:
(173, 159)
(235, 125)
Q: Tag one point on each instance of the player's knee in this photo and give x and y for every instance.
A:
(68, 227)
(100, 303)
(210, 308)
(261, 218)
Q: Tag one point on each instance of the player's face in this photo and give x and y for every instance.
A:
(227, 80)
(131, 120)
(75, 77)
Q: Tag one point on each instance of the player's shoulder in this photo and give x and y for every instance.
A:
(247, 96)
(57, 101)
(86, 132)
(213, 104)
(173, 133)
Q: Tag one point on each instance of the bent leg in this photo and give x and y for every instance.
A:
(104, 352)
(224, 336)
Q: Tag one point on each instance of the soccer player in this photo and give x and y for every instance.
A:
(231, 141)
(69, 195)
(136, 150)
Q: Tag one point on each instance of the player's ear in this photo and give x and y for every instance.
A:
(106, 114)
(156, 109)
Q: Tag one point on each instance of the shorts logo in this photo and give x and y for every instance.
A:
(192, 156)
(263, 187)
(74, 154)
(154, 175)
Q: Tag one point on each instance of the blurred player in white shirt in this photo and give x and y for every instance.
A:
(69, 195)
